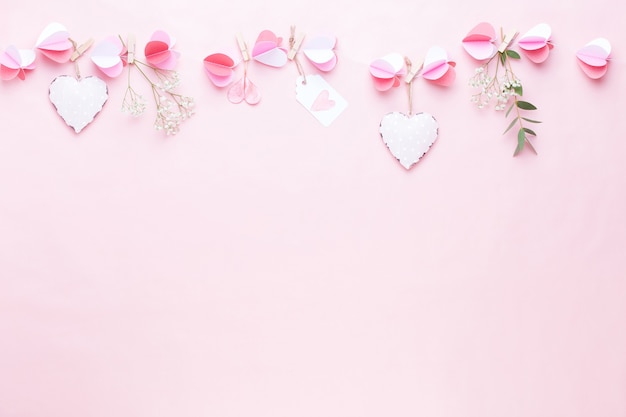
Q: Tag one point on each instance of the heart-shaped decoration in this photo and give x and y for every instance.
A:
(438, 68)
(78, 101)
(408, 137)
(110, 56)
(244, 90)
(323, 102)
(320, 52)
(54, 42)
(267, 50)
(220, 68)
(159, 52)
(480, 41)
(536, 43)
(387, 71)
(594, 57)
(15, 62)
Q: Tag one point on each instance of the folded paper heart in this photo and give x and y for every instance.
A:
(159, 52)
(78, 101)
(320, 52)
(267, 50)
(110, 56)
(438, 68)
(480, 42)
(219, 67)
(594, 57)
(536, 43)
(54, 42)
(15, 62)
(408, 137)
(387, 71)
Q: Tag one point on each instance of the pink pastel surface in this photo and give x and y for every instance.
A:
(260, 264)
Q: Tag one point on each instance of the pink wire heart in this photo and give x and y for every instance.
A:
(244, 89)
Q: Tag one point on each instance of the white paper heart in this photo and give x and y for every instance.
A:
(408, 137)
(78, 101)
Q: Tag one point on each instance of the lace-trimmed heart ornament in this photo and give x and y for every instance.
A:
(78, 100)
(408, 137)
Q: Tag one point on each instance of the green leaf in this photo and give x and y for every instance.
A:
(511, 125)
(530, 132)
(509, 110)
(531, 120)
(502, 57)
(524, 105)
(519, 90)
(521, 139)
(512, 54)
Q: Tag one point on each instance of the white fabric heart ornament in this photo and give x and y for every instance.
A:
(408, 137)
(78, 101)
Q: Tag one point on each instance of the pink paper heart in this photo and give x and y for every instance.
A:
(242, 90)
(159, 53)
(536, 43)
(110, 56)
(594, 57)
(15, 62)
(323, 102)
(320, 52)
(219, 67)
(54, 43)
(479, 42)
(267, 50)
(438, 68)
(386, 71)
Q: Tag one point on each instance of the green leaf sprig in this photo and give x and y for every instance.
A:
(505, 88)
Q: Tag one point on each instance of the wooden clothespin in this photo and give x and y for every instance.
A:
(508, 38)
(79, 50)
(245, 54)
(130, 48)
(295, 41)
(413, 70)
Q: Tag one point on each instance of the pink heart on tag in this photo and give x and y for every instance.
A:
(323, 102)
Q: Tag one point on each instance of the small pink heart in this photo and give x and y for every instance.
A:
(219, 67)
(479, 42)
(536, 43)
(323, 102)
(267, 50)
(110, 56)
(386, 71)
(244, 89)
(159, 52)
(54, 43)
(14, 63)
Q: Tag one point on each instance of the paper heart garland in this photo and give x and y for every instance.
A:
(220, 68)
(594, 57)
(15, 62)
(267, 50)
(387, 71)
(480, 42)
(438, 68)
(78, 101)
(110, 56)
(159, 52)
(54, 42)
(536, 43)
(408, 137)
(320, 52)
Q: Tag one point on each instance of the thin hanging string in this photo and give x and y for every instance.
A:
(76, 67)
(409, 85)
(292, 42)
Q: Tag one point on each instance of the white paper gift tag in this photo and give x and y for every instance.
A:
(320, 99)
(78, 101)
(408, 137)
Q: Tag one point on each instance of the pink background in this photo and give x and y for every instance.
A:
(259, 264)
